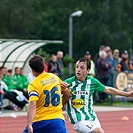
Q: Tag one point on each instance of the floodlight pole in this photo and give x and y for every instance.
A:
(77, 13)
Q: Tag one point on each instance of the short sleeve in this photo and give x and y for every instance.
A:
(98, 86)
(33, 94)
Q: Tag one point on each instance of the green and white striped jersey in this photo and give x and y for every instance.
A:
(79, 107)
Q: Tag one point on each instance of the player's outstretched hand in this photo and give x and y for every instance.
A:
(64, 85)
(130, 94)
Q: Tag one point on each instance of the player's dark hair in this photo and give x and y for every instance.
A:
(16, 68)
(37, 64)
(9, 71)
(84, 59)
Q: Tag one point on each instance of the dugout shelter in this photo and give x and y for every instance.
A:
(16, 52)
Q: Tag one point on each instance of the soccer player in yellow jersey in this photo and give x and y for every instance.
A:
(44, 113)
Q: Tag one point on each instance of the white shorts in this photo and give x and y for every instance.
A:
(86, 126)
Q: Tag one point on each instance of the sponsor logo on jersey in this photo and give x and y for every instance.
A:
(48, 81)
(78, 103)
(80, 93)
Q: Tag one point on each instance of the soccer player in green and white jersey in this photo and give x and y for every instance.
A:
(80, 105)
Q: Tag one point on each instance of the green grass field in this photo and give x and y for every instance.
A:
(123, 102)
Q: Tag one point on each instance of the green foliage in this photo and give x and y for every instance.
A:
(67, 60)
(106, 22)
(66, 72)
(43, 54)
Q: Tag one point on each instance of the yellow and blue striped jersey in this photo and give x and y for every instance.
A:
(46, 90)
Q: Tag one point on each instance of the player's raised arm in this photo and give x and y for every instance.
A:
(111, 90)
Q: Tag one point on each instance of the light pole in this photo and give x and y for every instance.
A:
(77, 13)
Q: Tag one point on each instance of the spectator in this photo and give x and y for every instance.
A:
(13, 88)
(60, 63)
(124, 64)
(8, 94)
(116, 59)
(9, 82)
(16, 78)
(92, 70)
(131, 63)
(45, 63)
(109, 58)
(25, 83)
(4, 73)
(2, 87)
(101, 48)
(19, 84)
(53, 65)
(24, 79)
(109, 54)
(103, 74)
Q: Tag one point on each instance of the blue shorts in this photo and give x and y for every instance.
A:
(48, 126)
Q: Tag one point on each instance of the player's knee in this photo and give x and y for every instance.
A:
(98, 130)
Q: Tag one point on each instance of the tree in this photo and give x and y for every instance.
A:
(102, 22)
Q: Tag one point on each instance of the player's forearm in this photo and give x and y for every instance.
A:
(31, 112)
(66, 96)
(111, 90)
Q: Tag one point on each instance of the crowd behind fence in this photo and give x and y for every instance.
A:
(108, 67)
